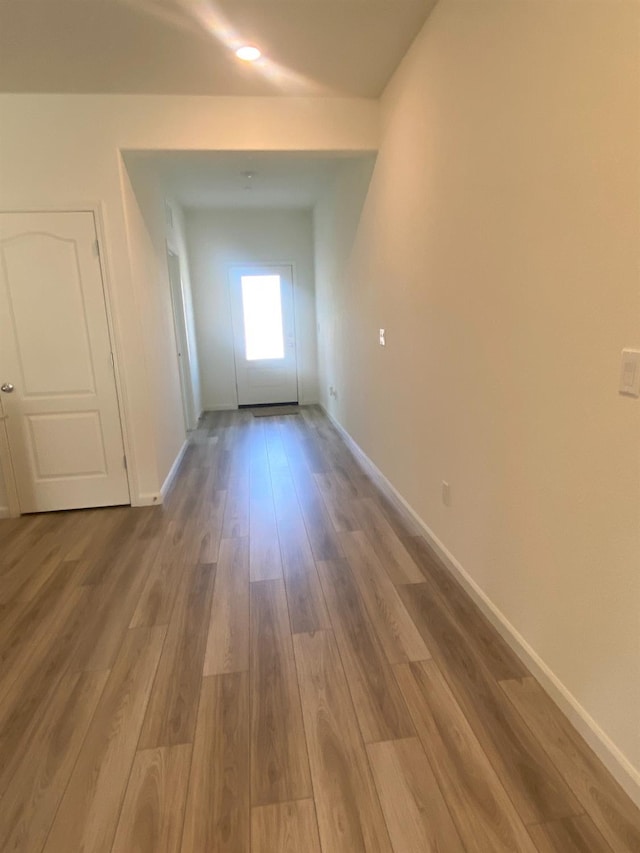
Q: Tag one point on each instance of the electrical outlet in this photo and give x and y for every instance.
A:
(446, 493)
(383, 340)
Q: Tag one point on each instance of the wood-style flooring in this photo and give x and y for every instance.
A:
(273, 662)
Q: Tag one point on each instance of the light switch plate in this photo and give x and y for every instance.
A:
(630, 373)
(383, 342)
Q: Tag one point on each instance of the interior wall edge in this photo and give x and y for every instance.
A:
(612, 757)
(173, 470)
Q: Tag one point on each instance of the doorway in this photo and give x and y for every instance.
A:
(264, 335)
(58, 398)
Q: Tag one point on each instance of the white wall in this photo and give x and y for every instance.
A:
(146, 234)
(62, 151)
(218, 239)
(498, 246)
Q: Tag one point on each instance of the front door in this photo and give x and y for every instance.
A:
(264, 334)
(57, 382)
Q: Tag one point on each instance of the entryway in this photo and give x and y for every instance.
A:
(264, 334)
(62, 444)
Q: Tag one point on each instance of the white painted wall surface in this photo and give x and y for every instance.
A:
(146, 233)
(498, 247)
(62, 151)
(218, 239)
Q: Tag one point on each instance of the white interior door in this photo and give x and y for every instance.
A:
(264, 334)
(57, 382)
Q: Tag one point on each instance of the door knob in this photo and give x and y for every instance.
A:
(7, 387)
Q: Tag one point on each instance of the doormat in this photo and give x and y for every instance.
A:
(274, 411)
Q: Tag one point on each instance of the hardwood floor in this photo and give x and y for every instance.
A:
(272, 662)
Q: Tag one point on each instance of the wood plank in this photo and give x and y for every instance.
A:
(323, 537)
(339, 505)
(529, 777)
(26, 628)
(88, 813)
(569, 835)
(285, 828)
(393, 625)
(227, 647)
(265, 562)
(285, 499)
(153, 809)
(481, 809)
(279, 763)
(173, 705)
(275, 446)
(25, 701)
(207, 532)
(123, 537)
(236, 514)
(617, 818)
(301, 513)
(30, 802)
(416, 814)
(395, 558)
(349, 816)
(112, 604)
(497, 655)
(380, 708)
(217, 816)
(92, 524)
(307, 608)
(156, 601)
(35, 567)
(398, 516)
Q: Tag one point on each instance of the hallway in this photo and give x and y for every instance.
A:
(273, 661)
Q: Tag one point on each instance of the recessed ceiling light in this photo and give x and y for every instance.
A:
(248, 53)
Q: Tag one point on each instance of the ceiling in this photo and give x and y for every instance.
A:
(310, 47)
(207, 179)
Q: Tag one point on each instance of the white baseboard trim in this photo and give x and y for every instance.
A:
(615, 761)
(147, 499)
(4, 512)
(173, 471)
(221, 407)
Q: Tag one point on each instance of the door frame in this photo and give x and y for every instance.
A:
(182, 337)
(97, 209)
(261, 265)
(6, 468)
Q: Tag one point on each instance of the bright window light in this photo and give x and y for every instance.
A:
(248, 53)
(262, 309)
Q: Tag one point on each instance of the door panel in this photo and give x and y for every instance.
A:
(62, 418)
(49, 362)
(262, 310)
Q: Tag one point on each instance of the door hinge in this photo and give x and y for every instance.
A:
(113, 362)
(124, 462)
(96, 248)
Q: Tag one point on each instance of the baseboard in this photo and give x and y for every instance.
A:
(4, 512)
(617, 764)
(147, 499)
(173, 471)
(221, 407)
